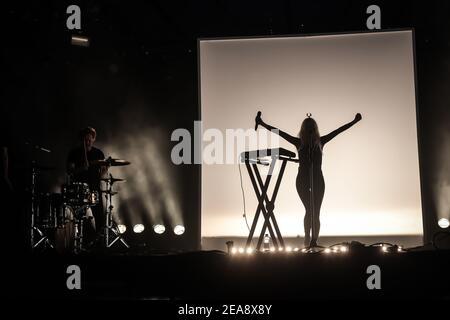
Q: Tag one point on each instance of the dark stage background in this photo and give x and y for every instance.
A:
(138, 79)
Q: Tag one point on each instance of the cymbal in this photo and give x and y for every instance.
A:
(112, 180)
(118, 162)
(111, 162)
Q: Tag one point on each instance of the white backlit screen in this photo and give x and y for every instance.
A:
(371, 170)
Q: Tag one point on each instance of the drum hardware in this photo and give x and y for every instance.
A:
(37, 236)
(110, 162)
(79, 198)
(108, 192)
(111, 233)
(78, 194)
(50, 211)
(113, 180)
(79, 219)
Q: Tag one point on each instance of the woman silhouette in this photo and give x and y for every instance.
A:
(310, 183)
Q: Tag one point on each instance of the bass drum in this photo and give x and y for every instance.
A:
(66, 234)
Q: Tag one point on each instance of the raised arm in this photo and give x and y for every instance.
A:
(291, 139)
(334, 133)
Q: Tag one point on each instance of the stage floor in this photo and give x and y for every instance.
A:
(215, 275)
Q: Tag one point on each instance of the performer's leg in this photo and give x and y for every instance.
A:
(303, 193)
(319, 191)
(307, 227)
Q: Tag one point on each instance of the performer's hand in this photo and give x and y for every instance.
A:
(258, 120)
(358, 117)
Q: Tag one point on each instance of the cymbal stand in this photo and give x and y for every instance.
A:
(112, 235)
(37, 236)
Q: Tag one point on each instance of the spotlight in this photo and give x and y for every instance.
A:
(249, 250)
(344, 249)
(443, 223)
(384, 248)
(241, 250)
(178, 230)
(272, 249)
(159, 228)
(230, 246)
(80, 41)
(296, 249)
(122, 228)
(234, 250)
(400, 249)
(280, 249)
(304, 250)
(327, 250)
(138, 228)
(288, 249)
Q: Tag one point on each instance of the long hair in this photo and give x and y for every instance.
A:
(309, 131)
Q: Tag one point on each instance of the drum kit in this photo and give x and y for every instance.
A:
(65, 214)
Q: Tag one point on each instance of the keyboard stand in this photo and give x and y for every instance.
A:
(266, 205)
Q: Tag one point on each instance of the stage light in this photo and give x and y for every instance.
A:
(443, 223)
(234, 250)
(280, 249)
(400, 249)
(304, 250)
(384, 248)
(327, 250)
(288, 249)
(159, 228)
(80, 41)
(178, 230)
(344, 249)
(138, 228)
(241, 250)
(335, 250)
(249, 250)
(296, 249)
(272, 249)
(122, 228)
(230, 246)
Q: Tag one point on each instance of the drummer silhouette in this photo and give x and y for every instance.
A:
(81, 167)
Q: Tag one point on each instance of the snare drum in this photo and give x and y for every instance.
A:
(78, 194)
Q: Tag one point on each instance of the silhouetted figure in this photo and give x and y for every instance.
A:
(81, 167)
(309, 145)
